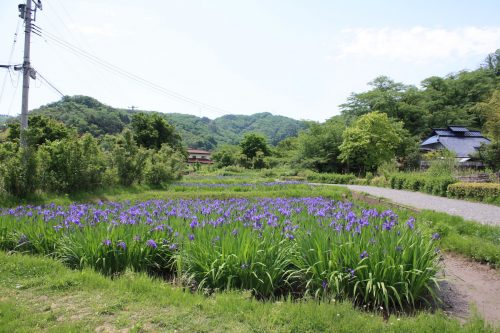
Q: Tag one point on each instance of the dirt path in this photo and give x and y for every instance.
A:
(470, 285)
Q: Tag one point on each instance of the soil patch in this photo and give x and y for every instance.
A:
(470, 285)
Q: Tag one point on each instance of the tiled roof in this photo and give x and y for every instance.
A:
(198, 151)
(458, 139)
(458, 128)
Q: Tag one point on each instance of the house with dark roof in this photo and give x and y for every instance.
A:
(457, 139)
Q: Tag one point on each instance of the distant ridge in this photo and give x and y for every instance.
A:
(88, 115)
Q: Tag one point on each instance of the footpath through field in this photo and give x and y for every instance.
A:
(482, 213)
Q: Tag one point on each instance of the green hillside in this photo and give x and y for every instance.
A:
(89, 115)
(3, 119)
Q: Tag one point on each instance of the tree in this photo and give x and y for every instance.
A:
(395, 99)
(318, 146)
(152, 130)
(371, 140)
(227, 155)
(71, 165)
(41, 129)
(129, 159)
(254, 147)
(164, 166)
(252, 143)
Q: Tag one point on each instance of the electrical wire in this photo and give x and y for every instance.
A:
(10, 60)
(14, 94)
(75, 38)
(50, 84)
(119, 71)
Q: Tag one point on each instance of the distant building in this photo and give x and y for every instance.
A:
(199, 156)
(457, 139)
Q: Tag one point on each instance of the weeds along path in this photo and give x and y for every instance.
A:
(482, 213)
(470, 285)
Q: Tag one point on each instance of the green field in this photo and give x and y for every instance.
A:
(256, 280)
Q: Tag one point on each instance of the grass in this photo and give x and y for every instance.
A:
(39, 294)
(178, 191)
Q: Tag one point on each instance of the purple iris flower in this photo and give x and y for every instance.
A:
(410, 222)
(122, 245)
(106, 242)
(363, 255)
(191, 237)
(324, 284)
(436, 236)
(151, 243)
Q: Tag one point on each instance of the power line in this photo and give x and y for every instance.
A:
(117, 70)
(50, 84)
(10, 59)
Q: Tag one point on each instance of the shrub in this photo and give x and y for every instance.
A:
(164, 166)
(489, 192)
(331, 178)
(71, 165)
(379, 181)
(129, 159)
(422, 182)
(19, 171)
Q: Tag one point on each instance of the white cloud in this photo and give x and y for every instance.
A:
(419, 44)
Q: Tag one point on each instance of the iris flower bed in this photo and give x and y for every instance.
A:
(313, 247)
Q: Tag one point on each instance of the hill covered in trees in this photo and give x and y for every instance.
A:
(88, 115)
(3, 119)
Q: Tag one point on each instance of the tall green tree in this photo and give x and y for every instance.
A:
(254, 146)
(152, 131)
(318, 146)
(41, 129)
(369, 142)
(129, 159)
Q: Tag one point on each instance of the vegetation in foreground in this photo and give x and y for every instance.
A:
(40, 294)
(301, 246)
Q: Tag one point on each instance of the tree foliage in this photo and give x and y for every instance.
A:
(151, 131)
(318, 146)
(41, 129)
(371, 141)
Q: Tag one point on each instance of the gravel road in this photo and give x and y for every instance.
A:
(483, 213)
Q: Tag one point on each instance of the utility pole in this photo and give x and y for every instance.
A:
(26, 70)
(25, 12)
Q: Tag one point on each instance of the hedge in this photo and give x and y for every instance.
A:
(421, 182)
(331, 178)
(487, 192)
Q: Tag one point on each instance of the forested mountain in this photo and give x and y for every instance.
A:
(88, 115)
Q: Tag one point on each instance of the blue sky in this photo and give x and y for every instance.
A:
(295, 58)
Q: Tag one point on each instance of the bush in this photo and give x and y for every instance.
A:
(379, 181)
(71, 165)
(164, 166)
(19, 171)
(129, 159)
(330, 178)
(420, 182)
(487, 192)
